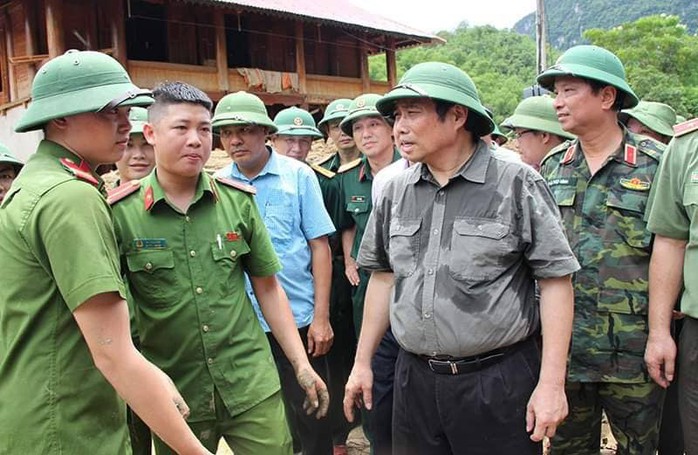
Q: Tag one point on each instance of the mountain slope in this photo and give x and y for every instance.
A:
(567, 19)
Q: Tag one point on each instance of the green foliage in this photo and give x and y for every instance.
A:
(500, 62)
(567, 19)
(660, 58)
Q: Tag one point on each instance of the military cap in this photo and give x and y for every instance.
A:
(658, 117)
(78, 82)
(138, 117)
(336, 110)
(445, 82)
(295, 121)
(6, 157)
(361, 106)
(536, 113)
(594, 63)
(241, 108)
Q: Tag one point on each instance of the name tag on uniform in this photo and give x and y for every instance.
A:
(149, 244)
(562, 181)
(694, 177)
(358, 199)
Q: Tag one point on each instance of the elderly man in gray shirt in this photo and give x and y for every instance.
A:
(455, 245)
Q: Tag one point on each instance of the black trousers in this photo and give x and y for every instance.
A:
(315, 434)
(381, 416)
(481, 412)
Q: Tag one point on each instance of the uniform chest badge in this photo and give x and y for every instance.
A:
(635, 184)
(694, 177)
(149, 244)
(232, 236)
(358, 199)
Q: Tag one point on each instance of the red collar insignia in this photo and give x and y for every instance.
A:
(148, 199)
(81, 171)
(630, 155)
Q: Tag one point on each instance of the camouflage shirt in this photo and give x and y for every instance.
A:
(603, 217)
(465, 254)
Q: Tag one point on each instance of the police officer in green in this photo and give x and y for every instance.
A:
(601, 182)
(373, 136)
(9, 168)
(673, 219)
(186, 242)
(66, 354)
(329, 125)
(650, 118)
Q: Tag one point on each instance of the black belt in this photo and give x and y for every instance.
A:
(460, 365)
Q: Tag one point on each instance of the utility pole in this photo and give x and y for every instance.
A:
(541, 37)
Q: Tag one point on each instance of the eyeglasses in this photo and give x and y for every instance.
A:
(518, 134)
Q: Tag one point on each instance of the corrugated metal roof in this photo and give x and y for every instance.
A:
(341, 13)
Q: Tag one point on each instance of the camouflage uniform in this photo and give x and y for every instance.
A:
(603, 218)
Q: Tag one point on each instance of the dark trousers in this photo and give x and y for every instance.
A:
(340, 359)
(381, 415)
(480, 412)
(315, 434)
(670, 430)
(688, 384)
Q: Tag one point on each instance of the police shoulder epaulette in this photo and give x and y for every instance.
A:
(686, 127)
(325, 159)
(238, 185)
(321, 170)
(120, 192)
(349, 166)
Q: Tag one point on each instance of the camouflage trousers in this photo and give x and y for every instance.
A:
(633, 411)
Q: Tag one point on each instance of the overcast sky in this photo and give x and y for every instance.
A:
(436, 15)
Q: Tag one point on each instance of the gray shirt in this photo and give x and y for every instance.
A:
(466, 255)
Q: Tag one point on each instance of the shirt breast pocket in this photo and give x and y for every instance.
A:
(280, 213)
(479, 248)
(626, 213)
(404, 246)
(357, 208)
(152, 277)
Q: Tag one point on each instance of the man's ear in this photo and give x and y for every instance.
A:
(149, 134)
(460, 115)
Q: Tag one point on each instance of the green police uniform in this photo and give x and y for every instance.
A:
(603, 219)
(185, 272)
(356, 181)
(58, 250)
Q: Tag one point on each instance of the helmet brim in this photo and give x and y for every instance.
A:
(238, 119)
(299, 131)
(649, 121)
(79, 101)
(479, 124)
(535, 123)
(546, 79)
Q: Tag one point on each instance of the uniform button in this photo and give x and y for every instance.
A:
(436, 231)
(187, 219)
(430, 272)
(199, 290)
(233, 254)
(356, 210)
(209, 361)
(205, 328)
(440, 193)
(192, 253)
(148, 266)
(427, 315)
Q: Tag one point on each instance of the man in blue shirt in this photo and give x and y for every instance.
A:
(291, 205)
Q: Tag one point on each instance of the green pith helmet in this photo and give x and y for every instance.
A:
(496, 132)
(295, 121)
(138, 117)
(590, 62)
(6, 157)
(361, 106)
(536, 113)
(336, 110)
(441, 81)
(78, 82)
(658, 117)
(241, 108)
